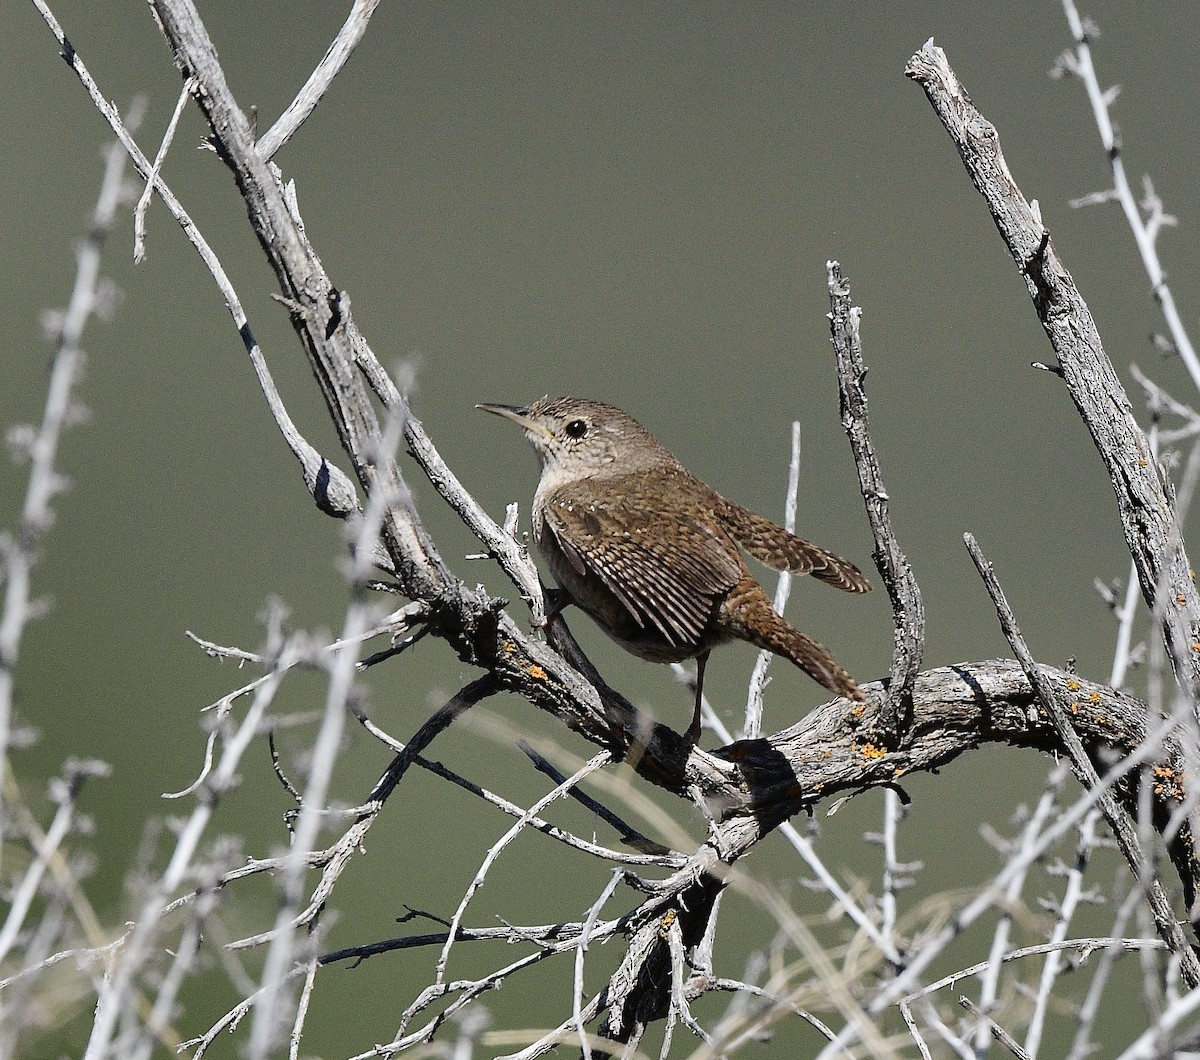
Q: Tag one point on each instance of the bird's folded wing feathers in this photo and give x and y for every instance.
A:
(774, 547)
(667, 572)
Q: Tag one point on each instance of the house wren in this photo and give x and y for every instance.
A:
(652, 553)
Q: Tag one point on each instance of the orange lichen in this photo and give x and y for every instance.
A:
(1095, 697)
(536, 672)
(1073, 685)
(870, 751)
(664, 925)
(1167, 783)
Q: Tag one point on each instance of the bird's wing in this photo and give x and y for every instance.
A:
(668, 571)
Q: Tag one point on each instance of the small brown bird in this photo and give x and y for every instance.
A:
(652, 553)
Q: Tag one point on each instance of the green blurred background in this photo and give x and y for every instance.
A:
(622, 201)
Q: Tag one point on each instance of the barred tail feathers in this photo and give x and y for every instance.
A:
(750, 616)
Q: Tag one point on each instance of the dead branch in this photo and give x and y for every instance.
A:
(908, 612)
(1144, 501)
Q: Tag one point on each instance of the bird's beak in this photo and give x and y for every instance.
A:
(518, 414)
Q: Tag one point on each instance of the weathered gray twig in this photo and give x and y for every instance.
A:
(557, 792)
(114, 994)
(752, 727)
(1085, 946)
(334, 859)
(18, 553)
(651, 853)
(908, 612)
(1075, 894)
(585, 936)
(1047, 806)
(328, 485)
(352, 31)
(628, 833)
(139, 211)
(1145, 229)
(269, 1016)
(997, 1032)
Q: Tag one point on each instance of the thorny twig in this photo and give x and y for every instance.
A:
(1145, 229)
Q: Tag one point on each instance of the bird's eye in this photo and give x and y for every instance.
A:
(576, 428)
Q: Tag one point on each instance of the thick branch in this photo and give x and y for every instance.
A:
(320, 313)
(1143, 496)
(753, 785)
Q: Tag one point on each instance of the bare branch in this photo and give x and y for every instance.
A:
(1042, 813)
(19, 554)
(1143, 499)
(652, 853)
(752, 726)
(998, 1032)
(1145, 229)
(269, 1016)
(139, 212)
(597, 762)
(352, 31)
(628, 833)
(113, 997)
(585, 935)
(333, 860)
(908, 613)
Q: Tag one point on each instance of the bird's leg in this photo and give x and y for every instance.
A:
(557, 601)
(692, 736)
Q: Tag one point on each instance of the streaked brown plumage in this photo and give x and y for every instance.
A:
(651, 553)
